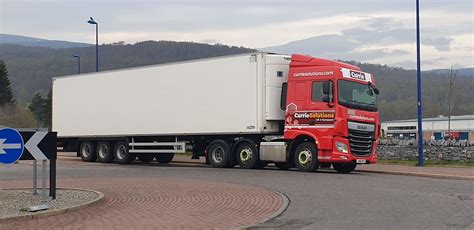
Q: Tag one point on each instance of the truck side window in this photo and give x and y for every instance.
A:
(317, 91)
(284, 91)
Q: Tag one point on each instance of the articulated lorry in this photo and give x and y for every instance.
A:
(248, 110)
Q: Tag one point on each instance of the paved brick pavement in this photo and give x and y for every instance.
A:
(132, 203)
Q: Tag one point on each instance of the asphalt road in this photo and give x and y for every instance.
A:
(323, 200)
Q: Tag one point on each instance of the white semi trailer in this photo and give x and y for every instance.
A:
(157, 110)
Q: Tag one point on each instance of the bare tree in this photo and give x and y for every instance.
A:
(453, 89)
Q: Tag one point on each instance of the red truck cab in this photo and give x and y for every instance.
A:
(331, 114)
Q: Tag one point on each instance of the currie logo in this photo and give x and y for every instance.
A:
(357, 75)
(319, 116)
(310, 118)
(312, 74)
(354, 74)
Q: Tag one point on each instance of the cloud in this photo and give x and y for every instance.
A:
(320, 45)
(336, 46)
(376, 54)
(440, 43)
(382, 23)
(390, 31)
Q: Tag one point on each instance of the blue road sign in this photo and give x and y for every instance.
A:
(11, 146)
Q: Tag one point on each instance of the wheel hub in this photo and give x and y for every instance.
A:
(218, 154)
(103, 151)
(86, 151)
(246, 155)
(121, 152)
(304, 157)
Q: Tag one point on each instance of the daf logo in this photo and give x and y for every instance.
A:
(362, 127)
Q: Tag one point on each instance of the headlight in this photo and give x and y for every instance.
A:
(341, 147)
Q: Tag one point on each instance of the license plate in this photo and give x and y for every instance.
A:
(361, 161)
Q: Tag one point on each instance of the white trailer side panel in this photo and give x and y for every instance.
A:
(209, 96)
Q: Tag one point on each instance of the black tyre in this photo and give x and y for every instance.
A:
(105, 152)
(164, 158)
(87, 151)
(282, 165)
(247, 156)
(306, 157)
(219, 154)
(145, 158)
(122, 156)
(262, 164)
(345, 167)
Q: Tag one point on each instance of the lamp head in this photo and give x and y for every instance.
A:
(91, 21)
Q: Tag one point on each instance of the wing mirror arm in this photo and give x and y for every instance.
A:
(327, 90)
(376, 91)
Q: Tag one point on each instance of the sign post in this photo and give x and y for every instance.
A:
(36, 146)
(41, 146)
(35, 177)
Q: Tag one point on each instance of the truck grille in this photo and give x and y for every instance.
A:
(361, 142)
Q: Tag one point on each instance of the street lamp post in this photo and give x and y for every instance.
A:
(418, 81)
(78, 63)
(93, 22)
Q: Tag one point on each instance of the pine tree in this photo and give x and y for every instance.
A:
(37, 106)
(47, 113)
(6, 94)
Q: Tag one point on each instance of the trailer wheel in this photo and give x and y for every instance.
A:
(219, 154)
(306, 157)
(122, 156)
(344, 167)
(164, 158)
(145, 158)
(247, 155)
(105, 152)
(87, 151)
(282, 165)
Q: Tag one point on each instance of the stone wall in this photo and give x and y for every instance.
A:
(433, 150)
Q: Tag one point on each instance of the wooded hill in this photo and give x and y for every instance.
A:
(398, 97)
(31, 69)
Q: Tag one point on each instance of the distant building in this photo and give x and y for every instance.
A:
(462, 128)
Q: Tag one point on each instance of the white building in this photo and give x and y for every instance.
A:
(462, 128)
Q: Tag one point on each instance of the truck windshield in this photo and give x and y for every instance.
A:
(356, 95)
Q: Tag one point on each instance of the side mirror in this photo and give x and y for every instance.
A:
(326, 88)
(376, 91)
(326, 98)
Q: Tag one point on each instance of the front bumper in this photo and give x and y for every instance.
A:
(334, 156)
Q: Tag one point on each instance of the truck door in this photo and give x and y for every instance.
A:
(321, 102)
(322, 112)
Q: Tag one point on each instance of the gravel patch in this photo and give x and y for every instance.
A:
(15, 202)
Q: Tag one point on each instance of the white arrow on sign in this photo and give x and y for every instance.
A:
(4, 146)
(32, 146)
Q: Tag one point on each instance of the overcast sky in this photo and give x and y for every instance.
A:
(377, 31)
